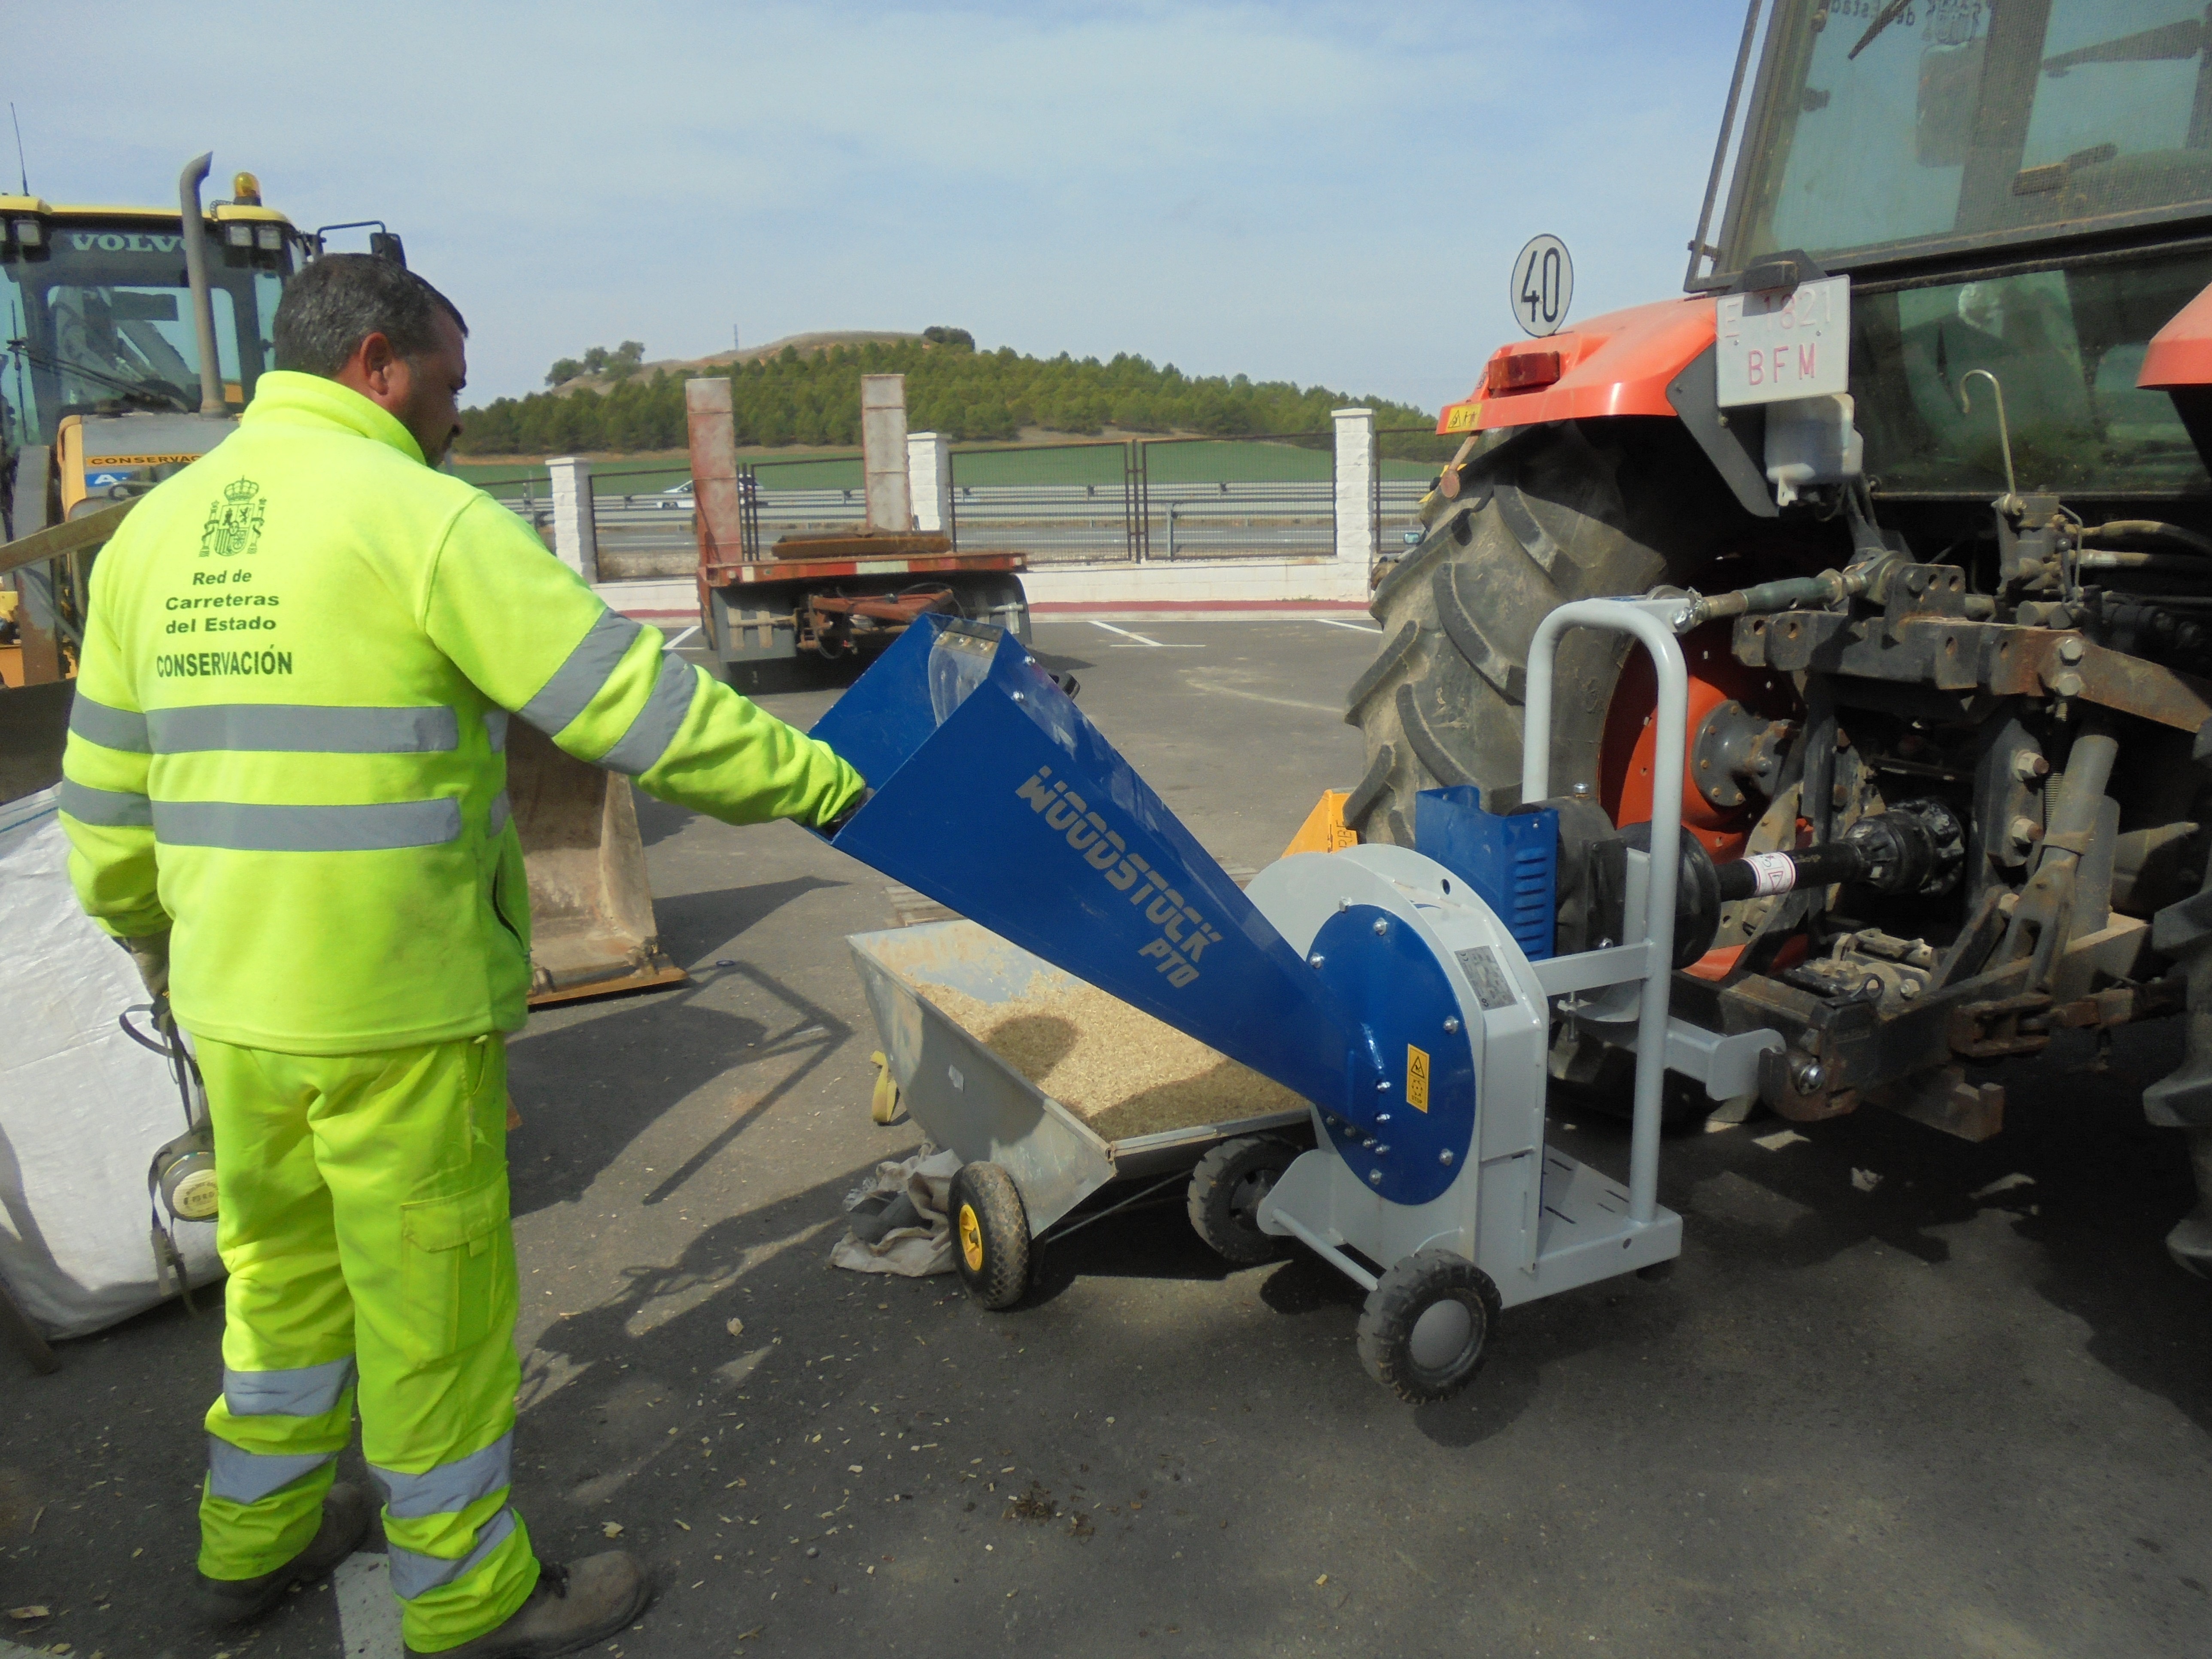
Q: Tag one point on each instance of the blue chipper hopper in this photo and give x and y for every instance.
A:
(1376, 982)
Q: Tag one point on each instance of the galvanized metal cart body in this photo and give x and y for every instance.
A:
(969, 1099)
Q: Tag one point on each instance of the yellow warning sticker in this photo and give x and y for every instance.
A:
(1417, 1079)
(1460, 417)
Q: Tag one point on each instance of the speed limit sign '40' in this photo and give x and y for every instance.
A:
(1543, 286)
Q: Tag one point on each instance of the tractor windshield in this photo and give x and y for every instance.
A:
(103, 315)
(1879, 129)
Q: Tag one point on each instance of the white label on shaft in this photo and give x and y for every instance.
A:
(1771, 873)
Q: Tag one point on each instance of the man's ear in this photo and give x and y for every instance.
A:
(377, 363)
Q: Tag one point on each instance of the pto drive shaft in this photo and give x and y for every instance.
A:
(1914, 847)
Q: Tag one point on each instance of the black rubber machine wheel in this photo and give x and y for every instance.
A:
(1424, 1329)
(1226, 1189)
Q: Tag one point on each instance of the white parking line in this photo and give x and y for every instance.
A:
(1140, 639)
(369, 1615)
(1331, 622)
(685, 636)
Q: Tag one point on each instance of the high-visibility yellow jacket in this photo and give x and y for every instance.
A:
(290, 715)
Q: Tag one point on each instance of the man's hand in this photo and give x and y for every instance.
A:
(150, 956)
(828, 830)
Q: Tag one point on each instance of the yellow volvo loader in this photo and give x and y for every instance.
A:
(129, 338)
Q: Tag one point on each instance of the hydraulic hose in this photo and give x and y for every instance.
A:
(1826, 588)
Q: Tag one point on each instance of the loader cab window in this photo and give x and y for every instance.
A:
(103, 316)
(1878, 131)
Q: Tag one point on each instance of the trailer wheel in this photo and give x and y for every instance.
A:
(1422, 1333)
(990, 1235)
(1226, 1189)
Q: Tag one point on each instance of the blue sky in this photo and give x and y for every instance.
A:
(1326, 193)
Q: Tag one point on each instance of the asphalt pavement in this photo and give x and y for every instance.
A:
(1902, 1395)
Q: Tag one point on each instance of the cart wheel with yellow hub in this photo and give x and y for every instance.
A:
(990, 1235)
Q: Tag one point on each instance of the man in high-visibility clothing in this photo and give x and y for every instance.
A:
(286, 756)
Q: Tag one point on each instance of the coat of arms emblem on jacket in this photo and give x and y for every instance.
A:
(233, 523)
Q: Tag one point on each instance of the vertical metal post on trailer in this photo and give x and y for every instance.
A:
(718, 504)
(952, 497)
(1652, 623)
(883, 453)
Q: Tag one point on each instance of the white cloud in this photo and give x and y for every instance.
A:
(1323, 193)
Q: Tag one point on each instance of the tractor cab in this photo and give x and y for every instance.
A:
(2017, 192)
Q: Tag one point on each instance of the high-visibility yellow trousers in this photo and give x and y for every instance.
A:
(364, 1222)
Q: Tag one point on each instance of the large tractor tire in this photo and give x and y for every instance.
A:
(1551, 515)
(1557, 514)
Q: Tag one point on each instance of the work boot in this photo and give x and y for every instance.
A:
(571, 1607)
(347, 1511)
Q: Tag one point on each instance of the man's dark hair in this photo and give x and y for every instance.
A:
(342, 298)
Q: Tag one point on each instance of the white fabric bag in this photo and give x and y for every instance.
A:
(83, 1108)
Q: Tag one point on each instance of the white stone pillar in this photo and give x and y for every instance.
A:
(929, 480)
(1355, 489)
(575, 535)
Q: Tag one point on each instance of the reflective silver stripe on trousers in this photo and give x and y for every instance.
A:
(111, 809)
(655, 726)
(110, 728)
(246, 1477)
(412, 1574)
(578, 680)
(501, 811)
(305, 728)
(302, 1391)
(451, 1487)
(248, 829)
(495, 729)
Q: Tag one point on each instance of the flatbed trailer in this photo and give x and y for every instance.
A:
(845, 594)
(768, 609)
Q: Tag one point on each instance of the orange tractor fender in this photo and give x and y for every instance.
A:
(1620, 363)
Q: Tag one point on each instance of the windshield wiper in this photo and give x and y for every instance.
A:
(152, 392)
(1890, 13)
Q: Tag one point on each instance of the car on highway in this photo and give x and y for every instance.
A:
(680, 496)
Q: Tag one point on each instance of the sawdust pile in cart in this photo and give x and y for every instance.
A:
(1116, 1068)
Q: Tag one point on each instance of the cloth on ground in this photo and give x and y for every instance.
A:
(923, 1182)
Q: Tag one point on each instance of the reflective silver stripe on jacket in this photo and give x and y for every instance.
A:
(241, 828)
(496, 728)
(451, 1487)
(246, 1477)
(414, 1573)
(655, 726)
(110, 728)
(501, 811)
(302, 1391)
(305, 728)
(578, 680)
(111, 809)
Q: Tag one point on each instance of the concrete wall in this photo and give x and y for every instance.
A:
(1355, 487)
(575, 535)
(929, 480)
(1339, 581)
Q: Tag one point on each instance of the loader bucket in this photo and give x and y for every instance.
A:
(592, 927)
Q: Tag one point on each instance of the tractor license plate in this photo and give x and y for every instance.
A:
(1792, 343)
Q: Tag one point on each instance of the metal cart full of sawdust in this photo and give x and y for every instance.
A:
(1139, 1114)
